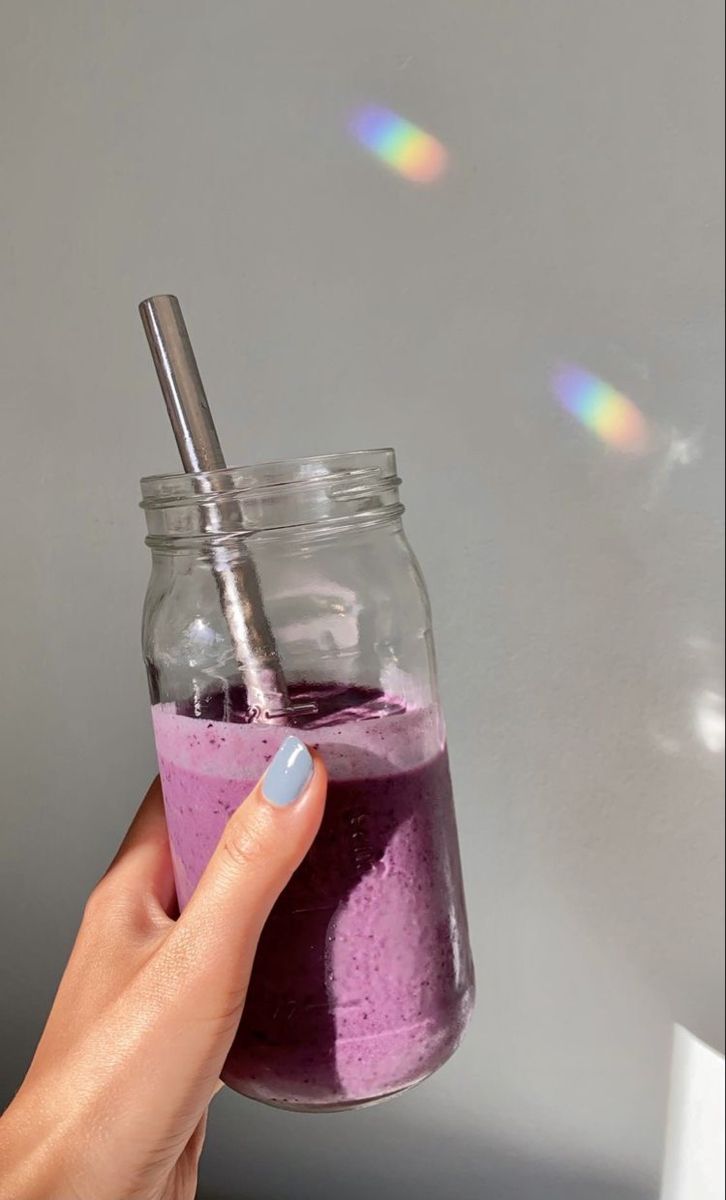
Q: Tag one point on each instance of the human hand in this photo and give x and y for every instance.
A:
(115, 1102)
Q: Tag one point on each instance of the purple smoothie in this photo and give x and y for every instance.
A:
(362, 982)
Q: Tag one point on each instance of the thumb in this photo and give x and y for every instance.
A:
(262, 844)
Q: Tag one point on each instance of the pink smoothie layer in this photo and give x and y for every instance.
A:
(362, 982)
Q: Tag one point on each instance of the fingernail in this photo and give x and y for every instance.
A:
(288, 774)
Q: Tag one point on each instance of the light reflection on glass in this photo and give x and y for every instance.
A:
(202, 633)
(597, 405)
(693, 1165)
(696, 718)
(403, 147)
(680, 451)
(709, 722)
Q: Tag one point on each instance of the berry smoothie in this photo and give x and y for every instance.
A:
(362, 983)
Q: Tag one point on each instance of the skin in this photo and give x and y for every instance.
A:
(114, 1106)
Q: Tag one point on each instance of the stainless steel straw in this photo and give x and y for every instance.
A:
(233, 565)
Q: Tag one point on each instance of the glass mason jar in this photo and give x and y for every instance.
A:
(363, 982)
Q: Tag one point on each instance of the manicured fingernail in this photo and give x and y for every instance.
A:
(288, 774)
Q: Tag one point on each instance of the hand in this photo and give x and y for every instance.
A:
(115, 1102)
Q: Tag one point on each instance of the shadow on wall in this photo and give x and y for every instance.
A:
(413, 1160)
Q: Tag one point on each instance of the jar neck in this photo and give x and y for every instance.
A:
(309, 496)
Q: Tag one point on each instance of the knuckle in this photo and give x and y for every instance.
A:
(108, 903)
(242, 845)
(98, 904)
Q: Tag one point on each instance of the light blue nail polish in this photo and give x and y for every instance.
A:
(288, 773)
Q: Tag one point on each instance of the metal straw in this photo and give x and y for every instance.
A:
(233, 566)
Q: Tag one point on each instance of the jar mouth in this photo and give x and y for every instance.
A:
(317, 496)
(280, 477)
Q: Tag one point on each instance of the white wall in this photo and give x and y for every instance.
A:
(203, 148)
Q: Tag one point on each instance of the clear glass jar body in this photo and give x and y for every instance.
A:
(363, 980)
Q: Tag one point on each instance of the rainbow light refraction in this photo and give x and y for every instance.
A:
(607, 413)
(402, 146)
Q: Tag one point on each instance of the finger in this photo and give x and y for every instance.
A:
(191, 990)
(142, 866)
(262, 844)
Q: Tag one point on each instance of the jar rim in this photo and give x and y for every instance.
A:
(181, 487)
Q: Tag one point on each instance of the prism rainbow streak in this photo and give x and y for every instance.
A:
(607, 413)
(401, 145)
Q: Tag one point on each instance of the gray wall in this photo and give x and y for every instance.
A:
(203, 148)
